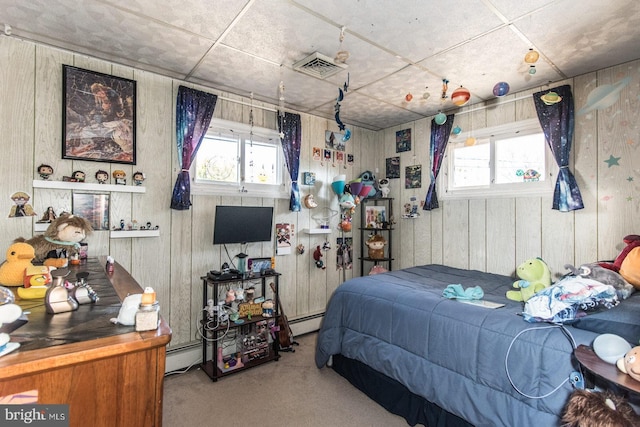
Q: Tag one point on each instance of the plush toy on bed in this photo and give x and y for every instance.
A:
(534, 276)
(61, 241)
(604, 275)
(627, 263)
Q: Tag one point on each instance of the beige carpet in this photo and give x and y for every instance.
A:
(289, 392)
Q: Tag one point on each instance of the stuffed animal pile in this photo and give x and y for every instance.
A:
(627, 263)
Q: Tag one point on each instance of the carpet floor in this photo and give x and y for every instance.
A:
(287, 392)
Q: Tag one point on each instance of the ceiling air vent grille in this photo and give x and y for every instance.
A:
(318, 65)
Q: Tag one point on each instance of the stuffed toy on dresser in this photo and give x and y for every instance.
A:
(61, 241)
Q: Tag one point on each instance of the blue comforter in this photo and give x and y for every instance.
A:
(485, 365)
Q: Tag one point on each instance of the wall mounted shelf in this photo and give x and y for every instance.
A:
(317, 230)
(67, 185)
(123, 234)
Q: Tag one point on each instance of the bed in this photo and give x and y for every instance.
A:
(439, 361)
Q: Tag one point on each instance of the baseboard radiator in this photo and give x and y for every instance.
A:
(191, 354)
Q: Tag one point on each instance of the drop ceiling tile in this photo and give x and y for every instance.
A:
(198, 17)
(412, 29)
(606, 33)
(473, 65)
(106, 31)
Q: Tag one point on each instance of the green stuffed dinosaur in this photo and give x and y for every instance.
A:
(535, 276)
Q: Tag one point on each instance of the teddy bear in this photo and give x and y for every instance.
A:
(630, 363)
(627, 263)
(376, 245)
(534, 276)
(61, 241)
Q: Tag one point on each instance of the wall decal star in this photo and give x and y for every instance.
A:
(630, 179)
(612, 161)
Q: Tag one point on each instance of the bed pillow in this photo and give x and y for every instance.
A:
(622, 320)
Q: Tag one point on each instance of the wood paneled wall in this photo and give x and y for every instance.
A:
(491, 235)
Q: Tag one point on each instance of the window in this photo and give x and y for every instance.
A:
(508, 160)
(237, 159)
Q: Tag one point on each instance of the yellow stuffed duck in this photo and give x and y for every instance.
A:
(18, 270)
(534, 276)
(19, 256)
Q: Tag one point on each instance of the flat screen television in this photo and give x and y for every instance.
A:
(242, 224)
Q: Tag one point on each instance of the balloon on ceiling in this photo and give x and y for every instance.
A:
(501, 89)
(460, 96)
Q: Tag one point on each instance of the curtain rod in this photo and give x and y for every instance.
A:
(255, 106)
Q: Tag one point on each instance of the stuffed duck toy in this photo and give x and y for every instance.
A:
(19, 256)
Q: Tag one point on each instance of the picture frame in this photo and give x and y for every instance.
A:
(375, 216)
(98, 117)
(259, 264)
(93, 207)
(403, 140)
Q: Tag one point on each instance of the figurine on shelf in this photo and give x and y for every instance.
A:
(120, 176)
(78, 176)
(48, 216)
(45, 171)
(122, 224)
(138, 178)
(384, 187)
(102, 176)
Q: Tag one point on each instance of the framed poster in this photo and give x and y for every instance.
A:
(393, 167)
(334, 140)
(93, 207)
(98, 117)
(413, 176)
(403, 140)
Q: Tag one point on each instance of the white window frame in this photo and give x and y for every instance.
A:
(525, 127)
(226, 128)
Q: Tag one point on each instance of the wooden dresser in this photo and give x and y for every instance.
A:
(108, 374)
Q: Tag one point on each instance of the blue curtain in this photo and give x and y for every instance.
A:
(291, 131)
(557, 121)
(439, 139)
(194, 110)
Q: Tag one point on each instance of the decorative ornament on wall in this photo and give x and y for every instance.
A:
(501, 89)
(460, 96)
(604, 96)
(408, 97)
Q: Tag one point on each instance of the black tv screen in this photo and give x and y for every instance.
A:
(242, 224)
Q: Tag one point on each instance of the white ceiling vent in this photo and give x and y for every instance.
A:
(318, 65)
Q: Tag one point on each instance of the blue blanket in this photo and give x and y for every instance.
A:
(451, 353)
